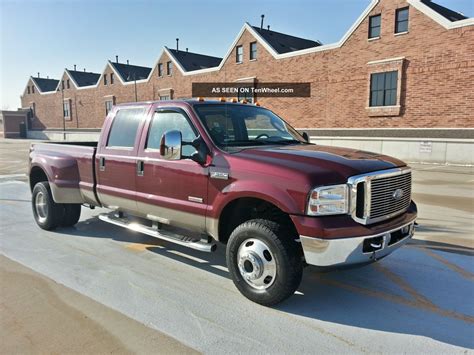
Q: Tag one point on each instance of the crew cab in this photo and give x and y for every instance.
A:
(195, 172)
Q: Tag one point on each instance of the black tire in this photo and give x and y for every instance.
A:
(72, 213)
(50, 213)
(280, 240)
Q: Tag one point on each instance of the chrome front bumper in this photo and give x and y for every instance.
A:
(359, 250)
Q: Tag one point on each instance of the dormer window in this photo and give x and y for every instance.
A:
(375, 24)
(239, 54)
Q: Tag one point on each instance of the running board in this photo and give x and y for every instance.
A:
(160, 234)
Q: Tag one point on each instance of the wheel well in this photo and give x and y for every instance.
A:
(37, 175)
(247, 208)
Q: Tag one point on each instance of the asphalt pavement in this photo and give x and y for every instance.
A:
(417, 300)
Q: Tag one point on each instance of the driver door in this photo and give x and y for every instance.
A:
(171, 191)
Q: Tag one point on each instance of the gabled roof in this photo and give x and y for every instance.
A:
(129, 72)
(445, 12)
(82, 78)
(45, 85)
(283, 43)
(194, 61)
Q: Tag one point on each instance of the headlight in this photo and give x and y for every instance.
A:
(327, 200)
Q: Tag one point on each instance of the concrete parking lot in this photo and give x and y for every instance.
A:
(418, 300)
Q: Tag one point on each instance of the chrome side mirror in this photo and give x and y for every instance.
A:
(170, 145)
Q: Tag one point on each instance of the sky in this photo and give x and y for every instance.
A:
(47, 36)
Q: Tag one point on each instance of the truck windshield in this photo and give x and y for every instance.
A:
(233, 125)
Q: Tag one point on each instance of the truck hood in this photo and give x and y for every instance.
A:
(319, 160)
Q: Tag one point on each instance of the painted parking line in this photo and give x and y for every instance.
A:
(12, 176)
(420, 302)
(464, 273)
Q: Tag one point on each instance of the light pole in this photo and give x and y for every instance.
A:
(62, 106)
(135, 79)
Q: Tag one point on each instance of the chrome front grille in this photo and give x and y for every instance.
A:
(390, 195)
(380, 195)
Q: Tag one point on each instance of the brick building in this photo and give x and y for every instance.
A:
(404, 70)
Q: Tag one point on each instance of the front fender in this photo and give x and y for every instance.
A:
(275, 195)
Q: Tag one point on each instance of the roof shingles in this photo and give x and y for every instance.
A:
(45, 85)
(83, 78)
(194, 61)
(451, 15)
(283, 43)
(131, 72)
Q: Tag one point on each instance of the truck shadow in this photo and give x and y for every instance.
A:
(423, 289)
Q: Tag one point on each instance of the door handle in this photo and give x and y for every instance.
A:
(140, 167)
(102, 164)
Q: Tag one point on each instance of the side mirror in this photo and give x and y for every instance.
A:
(201, 153)
(305, 136)
(170, 145)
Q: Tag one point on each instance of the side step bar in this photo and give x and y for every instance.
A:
(160, 234)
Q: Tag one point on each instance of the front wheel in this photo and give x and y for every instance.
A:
(264, 261)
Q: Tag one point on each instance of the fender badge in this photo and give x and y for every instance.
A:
(219, 175)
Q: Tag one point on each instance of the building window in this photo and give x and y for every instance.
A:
(28, 89)
(68, 84)
(165, 97)
(375, 23)
(239, 54)
(245, 93)
(108, 106)
(253, 50)
(62, 84)
(105, 79)
(383, 89)
(111, 78)
(401, 20)
(169, 68)
(160, 69)
(32, 89)
(66, 109)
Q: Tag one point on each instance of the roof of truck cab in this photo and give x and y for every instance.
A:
(187, 102)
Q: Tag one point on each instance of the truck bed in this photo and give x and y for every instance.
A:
(70, 168)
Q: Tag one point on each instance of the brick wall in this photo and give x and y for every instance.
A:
(436, 80)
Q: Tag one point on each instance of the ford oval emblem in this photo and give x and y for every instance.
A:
(397, 194)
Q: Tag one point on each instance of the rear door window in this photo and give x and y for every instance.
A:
(124, 128)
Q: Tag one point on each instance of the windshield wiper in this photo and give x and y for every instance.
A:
(287, 141)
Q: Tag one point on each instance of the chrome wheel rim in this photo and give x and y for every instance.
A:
(41, 207)
(256, 264)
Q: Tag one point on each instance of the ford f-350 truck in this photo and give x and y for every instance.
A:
(195, 172)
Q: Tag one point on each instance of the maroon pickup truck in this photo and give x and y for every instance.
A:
(194, 172)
